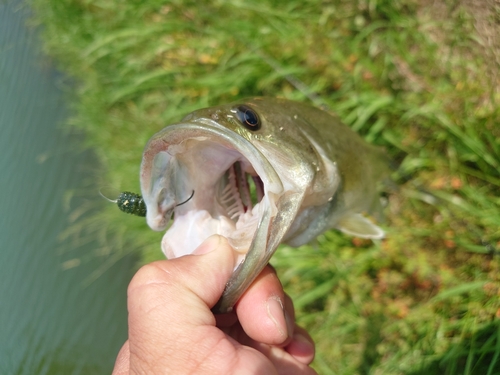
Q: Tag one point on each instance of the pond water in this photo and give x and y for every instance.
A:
(51, 322)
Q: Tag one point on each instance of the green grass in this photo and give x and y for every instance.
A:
(416, 79)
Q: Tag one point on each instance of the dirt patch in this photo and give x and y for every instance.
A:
(485, 17)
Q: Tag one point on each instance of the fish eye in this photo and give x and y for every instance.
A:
(248, 117)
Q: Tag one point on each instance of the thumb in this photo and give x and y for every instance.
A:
(179, 290)
(169, 301)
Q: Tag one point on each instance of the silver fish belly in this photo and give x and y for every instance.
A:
(264, 171)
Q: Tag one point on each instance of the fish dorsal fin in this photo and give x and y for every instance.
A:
(359, 226)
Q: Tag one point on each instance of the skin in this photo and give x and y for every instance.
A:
(172, 329)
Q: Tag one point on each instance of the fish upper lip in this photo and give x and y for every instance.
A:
(190, 212)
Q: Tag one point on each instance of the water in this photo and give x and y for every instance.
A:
(50, 323)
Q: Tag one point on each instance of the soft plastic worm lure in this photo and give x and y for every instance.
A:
(132, 203)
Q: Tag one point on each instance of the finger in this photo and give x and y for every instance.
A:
(289, 309)
(262, 310)
(182, 278)
(301, 347)
(284, 363)
(169, 301)
(122, 362)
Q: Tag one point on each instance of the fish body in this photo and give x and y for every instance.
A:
(264, 171)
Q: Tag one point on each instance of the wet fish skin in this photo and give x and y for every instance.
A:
(317, 173)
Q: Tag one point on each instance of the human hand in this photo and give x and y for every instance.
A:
(173, 331)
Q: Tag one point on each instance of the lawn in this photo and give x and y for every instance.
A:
(419, 78)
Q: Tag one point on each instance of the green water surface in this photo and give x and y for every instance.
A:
(50, 321)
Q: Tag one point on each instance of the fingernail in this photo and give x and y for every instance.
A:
(276, 313)
(209, 245)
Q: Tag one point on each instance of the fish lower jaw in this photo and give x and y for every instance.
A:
(189, 230)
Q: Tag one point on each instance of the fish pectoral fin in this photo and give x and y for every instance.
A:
(359, 226)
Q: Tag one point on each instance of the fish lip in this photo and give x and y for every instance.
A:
(177, 133)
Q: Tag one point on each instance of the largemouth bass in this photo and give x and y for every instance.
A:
(263, 171)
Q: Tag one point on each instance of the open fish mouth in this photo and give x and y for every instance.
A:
(263, 171)
(236, 189)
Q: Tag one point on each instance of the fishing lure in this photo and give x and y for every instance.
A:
(133, 203)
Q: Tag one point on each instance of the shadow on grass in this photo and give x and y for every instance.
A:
(371, 357)
(478, 354)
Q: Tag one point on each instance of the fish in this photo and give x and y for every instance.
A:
(264, 171)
